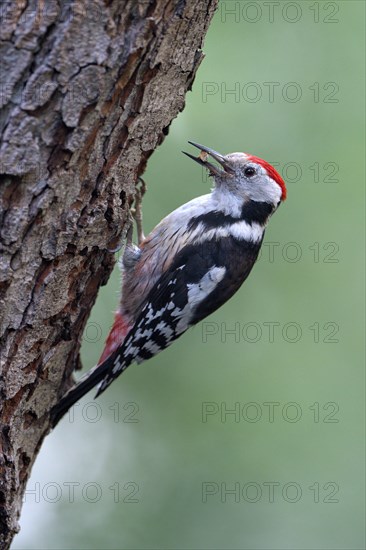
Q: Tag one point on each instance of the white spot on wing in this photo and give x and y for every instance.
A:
(131, 350)
(152, 346)
(164, 329)
(117, 368)
(197, 292)
(143, 334)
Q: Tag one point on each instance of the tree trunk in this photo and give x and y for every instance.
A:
(88, 90)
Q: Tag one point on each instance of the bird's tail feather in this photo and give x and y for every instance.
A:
(95, 375)
(86, 383)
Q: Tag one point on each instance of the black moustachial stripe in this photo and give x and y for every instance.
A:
(252, 212)
(212, 220)
(256, 212)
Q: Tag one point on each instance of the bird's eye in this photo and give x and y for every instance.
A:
(249, 171)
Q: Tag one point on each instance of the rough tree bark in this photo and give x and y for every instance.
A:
(88, 91)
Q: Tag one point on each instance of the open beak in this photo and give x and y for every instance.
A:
(201, 159)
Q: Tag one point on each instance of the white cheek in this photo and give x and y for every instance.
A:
(263, 189)
(275, 190)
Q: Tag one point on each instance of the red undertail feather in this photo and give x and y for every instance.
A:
(116, 336)
(272, 174)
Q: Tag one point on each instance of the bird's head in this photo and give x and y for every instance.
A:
(246, 176)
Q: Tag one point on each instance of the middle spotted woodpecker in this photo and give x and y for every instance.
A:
(191, 263)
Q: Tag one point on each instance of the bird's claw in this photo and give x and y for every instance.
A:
(136, 211)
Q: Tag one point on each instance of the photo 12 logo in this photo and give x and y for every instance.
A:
(269, 411)
(269, 492)
(233, 11)
(270, 332)
(76, 491)
(93, 412)
(270, 92)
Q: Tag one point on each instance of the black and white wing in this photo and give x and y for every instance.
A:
(202, 278)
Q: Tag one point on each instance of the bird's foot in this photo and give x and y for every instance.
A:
(136, 212)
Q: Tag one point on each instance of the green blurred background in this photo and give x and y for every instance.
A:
(160, 462)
